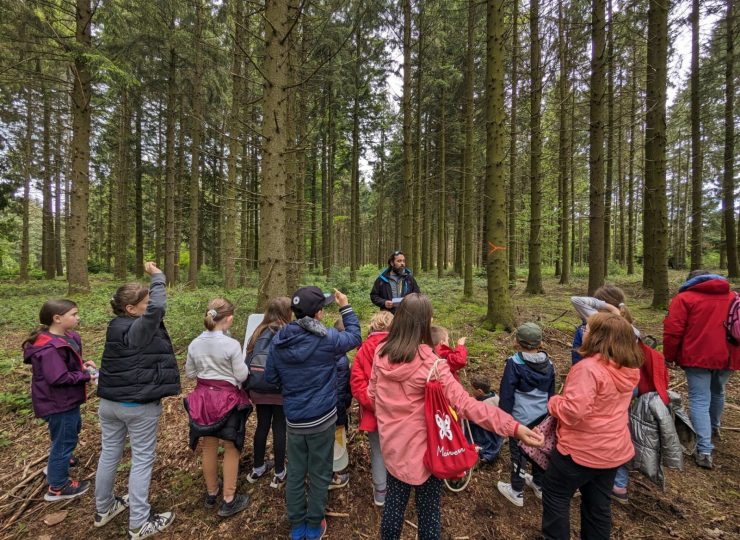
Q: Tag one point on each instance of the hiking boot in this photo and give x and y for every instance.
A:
(298, 532)
(379, 496)
(704, 460)
(155, 524)
(515, 497)
(339, 480)
(316, 533)
(530, 482)
(279, 479)
(620, 496)
(73, 462)
(70, 490)
(258, 473)
(209, 501)
(119, 505)
(236, 505)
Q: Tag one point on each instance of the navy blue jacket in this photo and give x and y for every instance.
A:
(344, 392)
(527, 384)
(303, 360)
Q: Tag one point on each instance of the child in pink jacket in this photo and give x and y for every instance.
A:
(593, 433)
(362, 368)
(399, 375)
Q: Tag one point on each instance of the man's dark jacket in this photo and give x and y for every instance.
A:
(382, 288)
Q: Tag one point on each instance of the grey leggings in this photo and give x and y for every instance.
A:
(140, 423)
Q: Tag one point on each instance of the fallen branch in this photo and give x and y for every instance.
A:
(412, 524)
(336, 514)
(22, 483)
(18, 513)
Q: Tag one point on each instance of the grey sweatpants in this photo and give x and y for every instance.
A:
(140, 423)
(377, 464)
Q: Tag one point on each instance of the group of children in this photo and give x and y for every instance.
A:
(297, 376)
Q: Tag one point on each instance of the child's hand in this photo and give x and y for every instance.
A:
(461, 341)
(529, 437)
(90, 363)
(151, 268)
(341, 298)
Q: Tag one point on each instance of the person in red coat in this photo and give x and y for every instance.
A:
(457, 357)
(359, 379)
(694, 338)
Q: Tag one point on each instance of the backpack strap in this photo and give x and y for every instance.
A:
(434, 370)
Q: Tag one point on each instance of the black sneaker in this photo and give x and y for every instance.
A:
(255, 475)
(237, 504)
(210, 500)
(70, 490)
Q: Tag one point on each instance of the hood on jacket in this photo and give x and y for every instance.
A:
(404, 370)
(625, 379)
(45, 340)
(295, 339)
(538, 361)
(385, 273)
(707, 284)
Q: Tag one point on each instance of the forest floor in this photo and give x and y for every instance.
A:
(696, 503)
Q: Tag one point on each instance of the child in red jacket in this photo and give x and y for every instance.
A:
(362, 368)
(457, 357)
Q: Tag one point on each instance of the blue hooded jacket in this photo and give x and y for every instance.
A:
(527, 384)
(303, 359)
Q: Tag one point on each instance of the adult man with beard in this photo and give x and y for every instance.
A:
(393, 283)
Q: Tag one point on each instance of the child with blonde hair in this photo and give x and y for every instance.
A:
(457, 356)
(359, 380)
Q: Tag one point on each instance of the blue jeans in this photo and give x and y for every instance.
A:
(706, 403)
(622, 479)
(64, 428)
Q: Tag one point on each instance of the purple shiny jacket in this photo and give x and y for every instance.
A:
(58, 377)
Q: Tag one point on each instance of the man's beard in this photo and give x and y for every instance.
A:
(399, 271)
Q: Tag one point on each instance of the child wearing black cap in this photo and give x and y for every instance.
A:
(526, 386)
(302, 359)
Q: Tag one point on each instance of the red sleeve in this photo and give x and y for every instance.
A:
(457, 358)
(359, 377)
(674, 327)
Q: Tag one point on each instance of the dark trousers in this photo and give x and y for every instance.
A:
(519, 462)
(312, 456)
(270, 416)
(64, 429)
(428, 501)
(562, 479)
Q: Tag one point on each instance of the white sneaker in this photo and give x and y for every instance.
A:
(119, 505)
(156, 523)
(515, 497)
(530, 482)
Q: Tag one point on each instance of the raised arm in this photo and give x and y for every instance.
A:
(142, 330)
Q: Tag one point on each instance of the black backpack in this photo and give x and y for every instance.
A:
(256, 362)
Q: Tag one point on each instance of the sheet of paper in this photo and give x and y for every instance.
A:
(253, 322)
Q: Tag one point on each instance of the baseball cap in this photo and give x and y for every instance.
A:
(529, 335)
(307, 301)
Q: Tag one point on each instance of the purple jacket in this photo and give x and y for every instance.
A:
(58, 378)
(212, 400)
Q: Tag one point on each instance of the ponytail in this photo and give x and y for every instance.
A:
(218, 309)
(129, 294)
(46, 318)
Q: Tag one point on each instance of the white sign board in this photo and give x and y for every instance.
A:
(253, 322)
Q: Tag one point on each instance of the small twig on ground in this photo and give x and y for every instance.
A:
(552, 321)
(18, 513)
(336, 514)
(730, 428)
(412, 524)
(677, 385)
(22, 483)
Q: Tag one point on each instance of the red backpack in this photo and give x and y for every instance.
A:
(449, 455)
(732, 325)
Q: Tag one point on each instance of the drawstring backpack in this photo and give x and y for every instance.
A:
(449, 455)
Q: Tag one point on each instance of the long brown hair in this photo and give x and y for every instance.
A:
(46, 317)
(277, 315)
(410, 328)
(611, 336)
(128, 294)
(613, 295)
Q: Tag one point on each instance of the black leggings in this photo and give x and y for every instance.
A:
(268, 415)
(428, 501)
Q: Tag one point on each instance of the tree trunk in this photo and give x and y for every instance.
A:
(534, 279)
(355, 227)
(696, 151)
(170, 242)
(631, 167)
(407, 202)
(195, 141)
(48, 247)
(442, 196)
(27, 179)
(120, 204)
(563, 147)
(499, 302)
(273, 256)
(596, 253)
(138, 195)
(610, 141)
(468, 177)
(511, 193)
(77, 231)
(655, 160)
(728, 180)
(59, 167)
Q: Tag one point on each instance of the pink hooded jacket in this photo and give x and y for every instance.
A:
(592, 413)
(398, 392)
